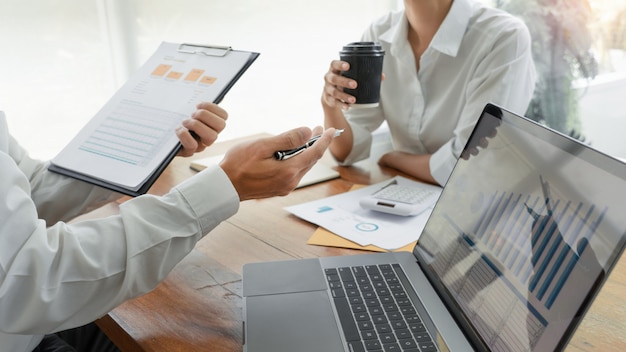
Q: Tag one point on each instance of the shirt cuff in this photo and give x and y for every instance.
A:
(361, 145)
(212, 197)
(441, 163)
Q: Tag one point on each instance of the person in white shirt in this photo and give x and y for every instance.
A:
(56, 275)
(444, 61)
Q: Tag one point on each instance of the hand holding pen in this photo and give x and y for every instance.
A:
(286, 154)
(254, 172)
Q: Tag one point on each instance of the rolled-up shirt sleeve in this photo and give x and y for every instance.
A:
(362, 123)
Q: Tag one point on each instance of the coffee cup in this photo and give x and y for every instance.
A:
(366, 68)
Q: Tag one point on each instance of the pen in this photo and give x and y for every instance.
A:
(286, 154)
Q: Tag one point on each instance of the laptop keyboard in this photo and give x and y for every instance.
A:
(375, 311)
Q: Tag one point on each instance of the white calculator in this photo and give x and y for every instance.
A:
(400, 200)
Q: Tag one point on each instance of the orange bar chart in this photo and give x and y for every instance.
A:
(194, 75)
(161, 70)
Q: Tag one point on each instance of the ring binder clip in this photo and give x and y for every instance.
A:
(208, 50)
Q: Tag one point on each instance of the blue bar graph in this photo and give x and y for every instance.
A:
(537, 239)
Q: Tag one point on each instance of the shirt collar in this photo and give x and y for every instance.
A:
(450, 34)
(448, 37)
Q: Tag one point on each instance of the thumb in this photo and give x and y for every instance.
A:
(289, 140)
(324, 141)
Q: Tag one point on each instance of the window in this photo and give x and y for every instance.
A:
(55, 70)
(63, 59)
(579, 48)
(66, 58)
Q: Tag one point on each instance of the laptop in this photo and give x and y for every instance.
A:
(521, 240)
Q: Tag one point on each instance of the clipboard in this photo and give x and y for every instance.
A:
(167, 87)
(217, 51)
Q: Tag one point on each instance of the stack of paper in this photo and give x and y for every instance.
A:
(342, 215)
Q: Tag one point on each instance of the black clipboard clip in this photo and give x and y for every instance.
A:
(208, 50)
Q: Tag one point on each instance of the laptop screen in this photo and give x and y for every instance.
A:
(524, 233)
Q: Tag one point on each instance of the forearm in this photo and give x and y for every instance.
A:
(339, 147)
(414, 165)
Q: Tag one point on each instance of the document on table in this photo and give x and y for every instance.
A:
(343, 216)
(131, 140)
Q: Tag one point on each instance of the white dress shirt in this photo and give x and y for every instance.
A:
(55, 276)
(478, 55)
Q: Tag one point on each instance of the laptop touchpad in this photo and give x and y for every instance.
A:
(283, 277)
(304, 322)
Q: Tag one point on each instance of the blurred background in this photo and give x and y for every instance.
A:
(63, 59)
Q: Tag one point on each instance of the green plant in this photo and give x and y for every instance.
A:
(561, 45)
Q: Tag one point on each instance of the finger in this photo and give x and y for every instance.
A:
(202, 133)
(287, 140)
(337, 93)
(340, 81)
(338, 66)
(316, 151)
(189, 144)
(206, 119)
(213, 108)
(317, 130)
(334, 77)
(206, 125)
(335, 83)
(334, 95)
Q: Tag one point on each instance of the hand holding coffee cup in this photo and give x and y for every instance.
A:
(366, 68)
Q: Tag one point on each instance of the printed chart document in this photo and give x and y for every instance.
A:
(132, 139)
(343, 215)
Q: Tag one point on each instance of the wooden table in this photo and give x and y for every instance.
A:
(198, 306)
